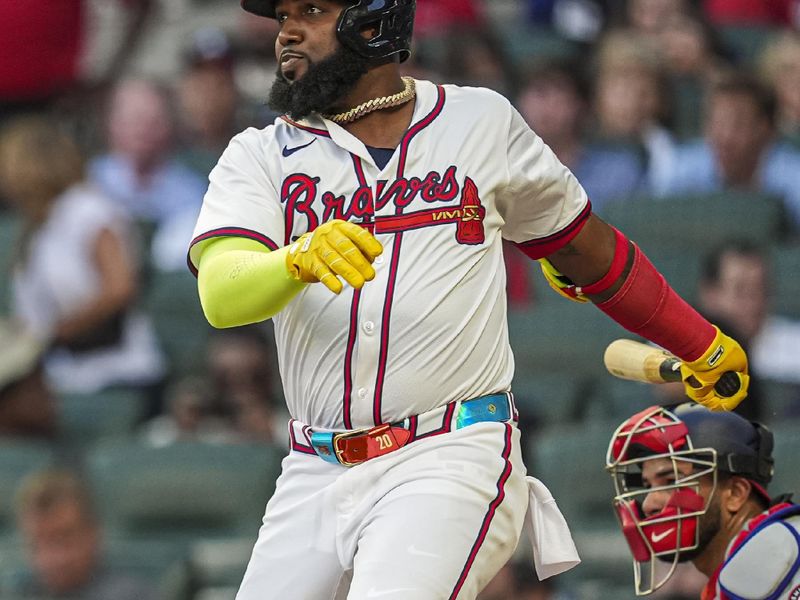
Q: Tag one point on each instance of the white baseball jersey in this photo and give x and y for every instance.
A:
(431, 328)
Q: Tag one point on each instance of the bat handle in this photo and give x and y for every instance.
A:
(727, 385)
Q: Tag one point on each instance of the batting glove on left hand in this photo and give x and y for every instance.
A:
(561, 284)
(701, 377)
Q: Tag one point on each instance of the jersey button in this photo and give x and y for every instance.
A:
(369, 326)
(379, 260)
(362, 393)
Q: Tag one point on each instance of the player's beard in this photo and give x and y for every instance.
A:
(324, 84)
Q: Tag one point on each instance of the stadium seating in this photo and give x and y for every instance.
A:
(667, 224)
(561, 336)
(747, 42)
(9, 238)
(87, 418)
(547, 398)
(185, 491)
(162, 564)
(570, 460)
(528, 44)
(781, 401)
(172, 301)
(787, 450)
(786, 279)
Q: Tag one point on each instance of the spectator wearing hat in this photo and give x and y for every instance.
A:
(212, 110)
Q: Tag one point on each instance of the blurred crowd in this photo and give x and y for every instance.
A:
(106, 143)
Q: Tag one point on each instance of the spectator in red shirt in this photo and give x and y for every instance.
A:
(434, 17)
(751, 12)
(41, 48)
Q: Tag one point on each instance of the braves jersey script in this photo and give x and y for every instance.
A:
(431, 327)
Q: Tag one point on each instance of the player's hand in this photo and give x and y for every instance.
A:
(700, 376)
(334, 249)
(560, 283)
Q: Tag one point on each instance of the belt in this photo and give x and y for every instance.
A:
(350, 448)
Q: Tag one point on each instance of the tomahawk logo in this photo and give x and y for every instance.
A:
(468, 217)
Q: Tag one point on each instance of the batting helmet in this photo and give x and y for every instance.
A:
(393, 21)
(687, 434)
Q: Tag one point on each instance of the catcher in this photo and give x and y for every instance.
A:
(691, 485)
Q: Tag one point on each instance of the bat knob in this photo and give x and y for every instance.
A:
(728, 384)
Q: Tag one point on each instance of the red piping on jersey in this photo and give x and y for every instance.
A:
(416, 128)
(297, 446)
(313, 130)
(539, 248)
(347, 400)
(348, 361)
(487, 519)
(229, 232)
(387, 305)
(385, 321)
(447, 423)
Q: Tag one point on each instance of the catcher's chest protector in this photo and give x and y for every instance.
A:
(766, 565)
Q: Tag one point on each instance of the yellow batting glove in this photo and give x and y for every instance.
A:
(334, 249)
(561, 283)
(703, 378)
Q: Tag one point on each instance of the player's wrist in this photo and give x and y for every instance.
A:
(702, 362)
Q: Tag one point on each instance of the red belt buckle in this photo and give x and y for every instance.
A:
(355, 447)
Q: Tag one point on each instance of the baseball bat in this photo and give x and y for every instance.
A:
(636, 361)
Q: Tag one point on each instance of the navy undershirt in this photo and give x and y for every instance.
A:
(381, 156)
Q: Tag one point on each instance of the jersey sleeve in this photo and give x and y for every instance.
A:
(543, 204)
(241, 199)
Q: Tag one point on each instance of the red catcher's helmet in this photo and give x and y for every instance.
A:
(392, 20)
(710, 442)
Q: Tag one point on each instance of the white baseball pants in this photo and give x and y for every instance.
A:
(435, 520)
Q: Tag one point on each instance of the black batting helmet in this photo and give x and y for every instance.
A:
(393, 21)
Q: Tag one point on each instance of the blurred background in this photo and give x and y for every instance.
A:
(138, 446)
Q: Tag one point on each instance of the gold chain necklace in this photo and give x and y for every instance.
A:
(408, 94)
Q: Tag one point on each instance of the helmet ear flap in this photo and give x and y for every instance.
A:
(766, 444)
(393, 21)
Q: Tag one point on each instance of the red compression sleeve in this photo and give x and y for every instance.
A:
(617, 266)
(646, 305)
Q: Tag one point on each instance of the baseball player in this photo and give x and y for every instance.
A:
(691, 484)
(368, 223)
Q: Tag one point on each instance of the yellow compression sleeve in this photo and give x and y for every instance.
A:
(241, 282)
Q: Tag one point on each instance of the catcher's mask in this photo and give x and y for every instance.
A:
(392, 20)
(698, 443)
